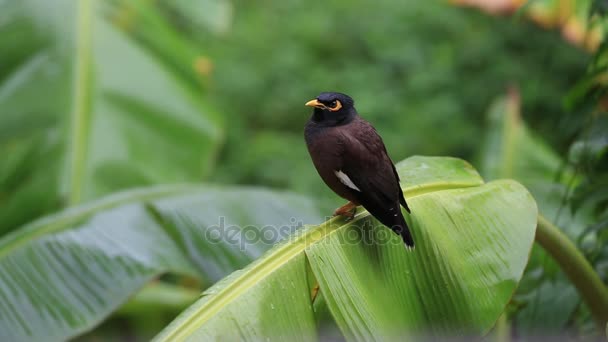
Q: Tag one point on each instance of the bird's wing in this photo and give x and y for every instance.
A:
(401, 198)
(369, 173)
(368, 167)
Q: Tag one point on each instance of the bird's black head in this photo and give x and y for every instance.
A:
(332, 109)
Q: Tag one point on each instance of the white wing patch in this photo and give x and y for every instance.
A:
(345, 180)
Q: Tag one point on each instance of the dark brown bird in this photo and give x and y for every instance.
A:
(351, 158)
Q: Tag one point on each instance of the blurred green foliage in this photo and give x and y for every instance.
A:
(422, 72)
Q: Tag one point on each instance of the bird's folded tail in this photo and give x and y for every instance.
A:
(390, 216)
(400, 227)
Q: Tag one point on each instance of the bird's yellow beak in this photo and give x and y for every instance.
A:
(315, 103)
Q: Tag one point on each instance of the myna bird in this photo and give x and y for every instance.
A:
(351, 158)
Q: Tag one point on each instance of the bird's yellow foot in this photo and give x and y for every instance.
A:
(348, 210)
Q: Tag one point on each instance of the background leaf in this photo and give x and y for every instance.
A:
(64, 273)
(141, 127)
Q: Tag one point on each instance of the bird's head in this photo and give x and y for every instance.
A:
(332, 109)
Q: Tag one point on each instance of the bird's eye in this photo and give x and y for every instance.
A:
(335, 106)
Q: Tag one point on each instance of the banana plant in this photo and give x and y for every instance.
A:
(65, 273)
(474, 239)
(472, 245)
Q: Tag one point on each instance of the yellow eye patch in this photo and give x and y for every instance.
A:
(336, 107)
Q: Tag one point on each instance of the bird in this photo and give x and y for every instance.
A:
(352, 160)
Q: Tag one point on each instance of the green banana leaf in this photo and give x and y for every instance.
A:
(63, 274)
(472, 245)
(86, 110)
(511, 150)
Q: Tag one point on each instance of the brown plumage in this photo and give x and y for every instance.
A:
(352, 160)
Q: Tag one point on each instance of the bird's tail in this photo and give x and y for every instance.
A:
(392, 218)
(400, 227)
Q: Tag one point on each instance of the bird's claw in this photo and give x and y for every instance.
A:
(347, 211)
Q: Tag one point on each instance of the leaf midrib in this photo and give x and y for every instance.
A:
(81, 106)
(270, 263)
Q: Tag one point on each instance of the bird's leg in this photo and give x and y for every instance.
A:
(348, 210)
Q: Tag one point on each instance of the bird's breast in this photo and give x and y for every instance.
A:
(326, 151)
(323, 144)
